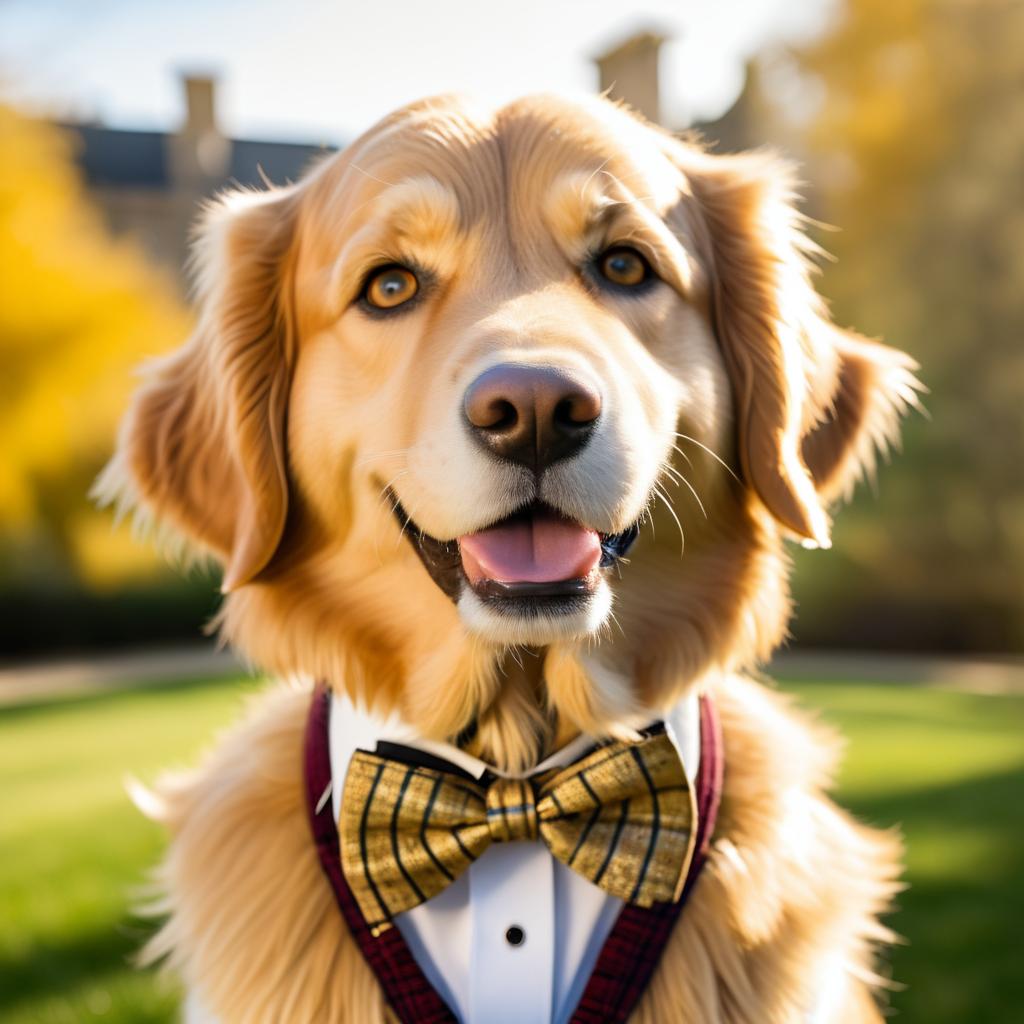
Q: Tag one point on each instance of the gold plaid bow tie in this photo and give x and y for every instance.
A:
(623, 817)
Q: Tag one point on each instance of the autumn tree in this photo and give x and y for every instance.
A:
(916, 152)
(78, 310)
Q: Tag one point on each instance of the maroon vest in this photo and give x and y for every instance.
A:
(628, 957)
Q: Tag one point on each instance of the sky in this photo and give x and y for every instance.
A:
(320, 71)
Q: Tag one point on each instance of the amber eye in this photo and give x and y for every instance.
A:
(390, 287)
(624, 267)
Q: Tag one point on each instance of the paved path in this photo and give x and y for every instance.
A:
(1003, 675)
(31, 682)
(34, 681)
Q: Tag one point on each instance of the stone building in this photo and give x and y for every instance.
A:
(149, 184)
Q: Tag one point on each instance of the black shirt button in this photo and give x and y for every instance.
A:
(515, 936)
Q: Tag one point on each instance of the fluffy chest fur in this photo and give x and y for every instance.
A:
(783, 915)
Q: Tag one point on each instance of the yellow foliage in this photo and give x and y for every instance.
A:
(108, 557)
(916, 149)
(78, 310)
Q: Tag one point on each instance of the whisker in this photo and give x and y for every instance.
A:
(633, 201)
(401, 532)
(394, 453)
(673, 474)
(659, 493)
(714, 455)
(376, 532)
(696, 496)
(512, 650)
(648, 517)
(679, 451)
(392, 501)
(621, 182)
(593, 174)
(618, 625)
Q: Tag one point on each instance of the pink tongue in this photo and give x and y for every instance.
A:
(542, 548)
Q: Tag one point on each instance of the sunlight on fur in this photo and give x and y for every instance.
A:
(317, 448)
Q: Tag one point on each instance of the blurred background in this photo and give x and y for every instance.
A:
(117, 118)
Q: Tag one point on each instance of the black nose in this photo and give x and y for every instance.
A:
(533, 415)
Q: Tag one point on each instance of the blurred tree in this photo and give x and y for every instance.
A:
(78, 309)
(917, 152)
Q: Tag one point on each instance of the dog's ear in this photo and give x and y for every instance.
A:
(202, 448)
(856, 408)
(813, 403)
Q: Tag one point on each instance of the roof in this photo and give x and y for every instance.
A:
(119, 158)
(111, 157)
(280, 161)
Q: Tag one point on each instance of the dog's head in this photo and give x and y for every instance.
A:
(546, 378)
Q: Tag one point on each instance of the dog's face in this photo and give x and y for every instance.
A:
(502, 336)
(474, 381)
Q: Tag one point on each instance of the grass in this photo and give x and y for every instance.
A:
(947, 767)
(73, 847)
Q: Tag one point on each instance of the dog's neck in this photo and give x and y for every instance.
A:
(523, 686)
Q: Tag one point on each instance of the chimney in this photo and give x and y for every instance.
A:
(200, 113)
(629, 72)
(200, 155)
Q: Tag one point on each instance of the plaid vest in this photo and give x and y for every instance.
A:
(628, 957)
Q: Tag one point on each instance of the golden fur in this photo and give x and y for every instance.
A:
(792, 887)
(274, 438)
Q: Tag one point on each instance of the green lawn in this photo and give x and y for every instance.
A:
(947, 767)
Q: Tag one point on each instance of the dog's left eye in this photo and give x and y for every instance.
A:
(623, 266)
(390, 287)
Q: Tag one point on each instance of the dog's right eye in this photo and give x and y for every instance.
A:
(624, 267)
(389, 287)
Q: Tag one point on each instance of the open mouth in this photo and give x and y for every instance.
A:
(533, 560)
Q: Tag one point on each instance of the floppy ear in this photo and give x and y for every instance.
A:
(813, 402)
(202, 447)
(857, 410)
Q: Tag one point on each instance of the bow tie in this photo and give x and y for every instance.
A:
(623, 816)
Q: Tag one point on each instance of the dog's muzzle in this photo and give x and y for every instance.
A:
(537, 559)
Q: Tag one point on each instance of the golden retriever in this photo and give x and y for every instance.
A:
(467, 326)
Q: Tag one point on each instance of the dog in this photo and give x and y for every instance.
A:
(498, 422)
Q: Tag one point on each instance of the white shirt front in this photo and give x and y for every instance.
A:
(460, 937)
